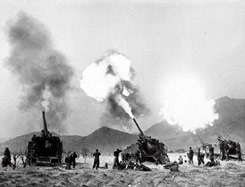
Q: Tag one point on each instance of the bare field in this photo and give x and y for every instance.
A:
(230, 173)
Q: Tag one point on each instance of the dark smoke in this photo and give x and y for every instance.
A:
(115, 115)
(38, 67)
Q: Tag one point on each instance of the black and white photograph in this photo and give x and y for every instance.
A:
(122, 93)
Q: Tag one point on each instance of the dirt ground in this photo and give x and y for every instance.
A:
(231, 173)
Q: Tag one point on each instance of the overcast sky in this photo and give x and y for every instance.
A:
(204, 40)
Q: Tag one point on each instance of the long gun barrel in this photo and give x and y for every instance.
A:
(141, 132)
(45, 129)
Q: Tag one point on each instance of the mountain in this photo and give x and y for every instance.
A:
(106, 140)
(3, 140)
(172, 135)
(230, 125)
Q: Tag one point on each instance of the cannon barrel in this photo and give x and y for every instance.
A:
(45, 129)
(137, 125)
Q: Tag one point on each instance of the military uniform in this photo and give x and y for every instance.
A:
(96, 159)
(200, 157)
(211, 152)
(7, 158)
(190, 155)
(116, 161)
(239, 152)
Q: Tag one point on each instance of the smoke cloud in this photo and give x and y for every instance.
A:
(42, 71)
(109, 80)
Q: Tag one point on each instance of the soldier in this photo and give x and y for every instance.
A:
(238, 151)
(227, 149)
(123, 157)
(190, 155)
(7, 155)
(180, 160)
(116, 160)
(68, 161)
(96, 159)
(73, 159)
(200, 157)
(15, 158)
(222, 149)
(34, 137)
(137, 156)
(211, 153)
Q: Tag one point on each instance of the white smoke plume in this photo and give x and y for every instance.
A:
(109, 80)
(101, 78)
(42, 71)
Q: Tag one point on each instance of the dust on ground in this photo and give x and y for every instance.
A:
(231, 173)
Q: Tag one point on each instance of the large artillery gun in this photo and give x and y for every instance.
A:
(45, 149)
(228, 148)
(150, 149)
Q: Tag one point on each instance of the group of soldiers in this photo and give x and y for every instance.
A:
(6, 160)
(126, 160)
(97, 155)
(70, 160)
(227, 146)
(208, 151)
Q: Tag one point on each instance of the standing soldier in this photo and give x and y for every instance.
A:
(116, 160)
(227, 149)
(73, 159)
(96, 159)
(137, 156)
(7, 155)
(68, 161)
(211, 153)
(238, 151)
(15, 158)
(222, 149)
(190, 155)
(200, 157)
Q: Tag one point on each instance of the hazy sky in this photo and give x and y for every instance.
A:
(204, 40)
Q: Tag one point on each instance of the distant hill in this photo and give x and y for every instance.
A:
(106, 140)
(3, 140)
(172, 135)
(231, 125)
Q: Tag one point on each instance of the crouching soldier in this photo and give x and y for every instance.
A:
(70, 160)
(180, 160)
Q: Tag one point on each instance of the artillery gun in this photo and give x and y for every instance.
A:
(227, 146)
(150, 149)
(45, 149)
